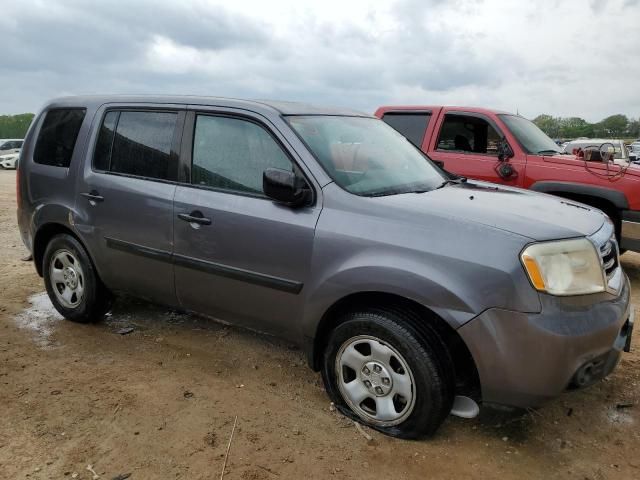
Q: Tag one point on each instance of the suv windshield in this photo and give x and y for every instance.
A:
(532, 139)
(365, 156)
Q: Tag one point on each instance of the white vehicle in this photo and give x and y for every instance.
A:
(10, 145)
(9, 161)
(617, 147)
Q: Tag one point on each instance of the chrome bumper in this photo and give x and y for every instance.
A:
(630, 231)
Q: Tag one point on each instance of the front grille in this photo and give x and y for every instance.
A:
(609, 255)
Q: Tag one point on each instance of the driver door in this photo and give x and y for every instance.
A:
(238, 255)
(467, 145)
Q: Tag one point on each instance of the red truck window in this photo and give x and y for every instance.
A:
(466, 133)
(411, 125)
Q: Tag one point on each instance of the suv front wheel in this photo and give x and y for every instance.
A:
(74, 288)
(380, 370)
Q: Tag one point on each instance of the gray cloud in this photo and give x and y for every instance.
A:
(70, 34)
(505, 55)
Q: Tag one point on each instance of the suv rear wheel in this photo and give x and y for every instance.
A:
(381, 371)
(71, 281)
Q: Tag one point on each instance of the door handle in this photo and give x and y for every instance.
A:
(93, 196)
(194, 217)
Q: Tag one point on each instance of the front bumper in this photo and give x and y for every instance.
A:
(524, 359)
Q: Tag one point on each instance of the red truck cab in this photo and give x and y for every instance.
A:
(504, 148)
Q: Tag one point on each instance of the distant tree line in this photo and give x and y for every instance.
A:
(15, 126)
(615, 126)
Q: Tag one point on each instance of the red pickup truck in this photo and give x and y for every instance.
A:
(504, 148)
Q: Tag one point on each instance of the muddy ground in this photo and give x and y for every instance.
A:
(160, 403)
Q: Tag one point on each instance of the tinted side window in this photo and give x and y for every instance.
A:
(232, 154)
(411, 125)
(463, 133)
(57, 137)
(102, 154)
(142, 144)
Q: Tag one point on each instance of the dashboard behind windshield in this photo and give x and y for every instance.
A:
(365, 156)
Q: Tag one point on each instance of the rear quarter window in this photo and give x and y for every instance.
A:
(411, 125)
(57, 137)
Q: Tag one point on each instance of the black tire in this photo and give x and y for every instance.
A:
(96, 299)
(424, 353)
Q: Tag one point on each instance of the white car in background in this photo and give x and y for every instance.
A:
(9, 161)
(10, 145)
(617, 147)
(10, 152)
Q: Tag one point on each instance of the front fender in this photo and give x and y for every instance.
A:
(321, 296)
(455, 289)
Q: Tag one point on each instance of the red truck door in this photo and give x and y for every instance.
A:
(467, 144)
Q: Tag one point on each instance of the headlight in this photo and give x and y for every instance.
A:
(564, 267)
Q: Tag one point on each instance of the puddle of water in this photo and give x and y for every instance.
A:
(41, 318)
(619, 416)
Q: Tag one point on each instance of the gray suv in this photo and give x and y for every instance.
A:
(416, 294)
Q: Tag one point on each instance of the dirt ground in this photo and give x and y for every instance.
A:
(160, 402)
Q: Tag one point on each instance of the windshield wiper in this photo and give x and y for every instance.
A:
(384, 193)
(452, 181)
(548, 152)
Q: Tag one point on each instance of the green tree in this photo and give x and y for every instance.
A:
(574, 127)
(548, 124)
(15, 126)
(613, 126)
(633, 128)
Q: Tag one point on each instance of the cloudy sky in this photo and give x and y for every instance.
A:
(563, 57)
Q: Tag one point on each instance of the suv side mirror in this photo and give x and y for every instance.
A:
(285, 186)
(504, 150)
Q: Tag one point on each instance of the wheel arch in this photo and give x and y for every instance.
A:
(466, 373)
(576, 191)
(43, 236)
(611, 202)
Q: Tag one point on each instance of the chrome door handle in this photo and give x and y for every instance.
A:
(93, 196)
(194, 217)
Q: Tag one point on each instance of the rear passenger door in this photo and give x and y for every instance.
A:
(239, 256)
(125, 198)
(466, 144)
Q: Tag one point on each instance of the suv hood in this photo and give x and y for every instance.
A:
(522, 212)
